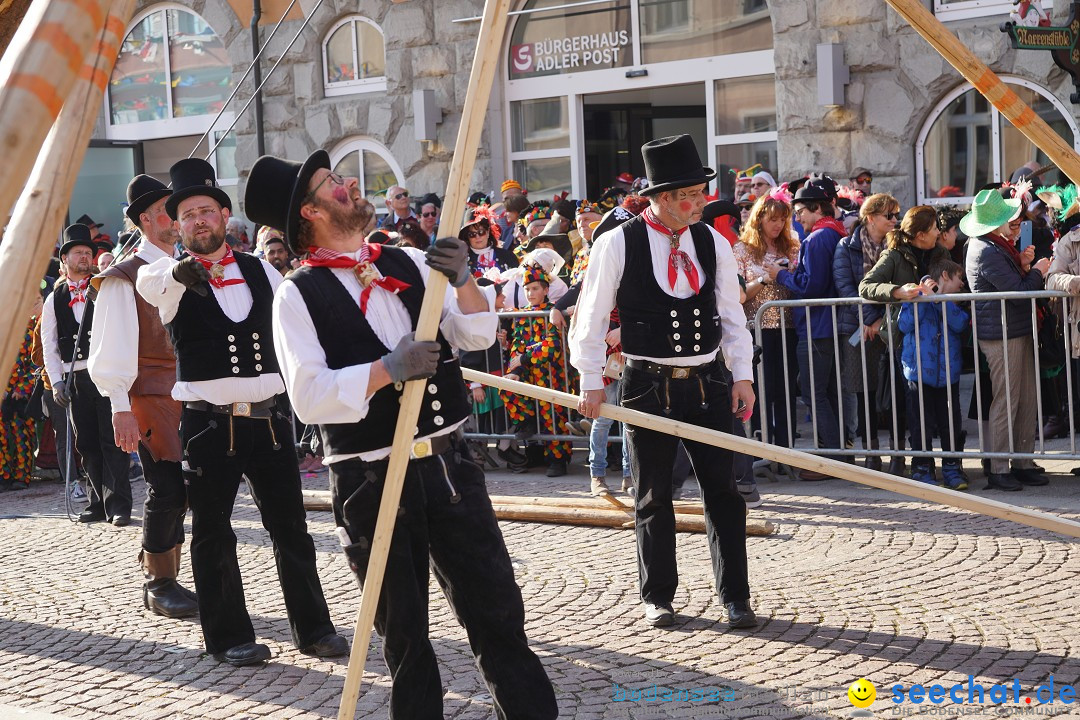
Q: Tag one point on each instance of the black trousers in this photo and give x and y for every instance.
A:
(213, 477)
(933, 415)
(777, 410)
(105, 463)
(445, 523)
(704, 401)
(165, 505)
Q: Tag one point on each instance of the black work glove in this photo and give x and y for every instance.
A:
(190, 273)
(450, 256)
(61, 394)
(412, 359)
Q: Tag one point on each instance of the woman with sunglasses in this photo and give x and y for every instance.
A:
(855, 255)
(481, 232)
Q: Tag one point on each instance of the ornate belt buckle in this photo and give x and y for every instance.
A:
(420, 449)
(680, 373)
(241, 409)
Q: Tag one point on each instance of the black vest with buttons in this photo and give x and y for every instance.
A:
(348, 339)
(67, 327)
(210, 346)
(655, 324)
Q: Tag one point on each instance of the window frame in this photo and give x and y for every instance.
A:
(367, 144)
(996, 120)
(968, 9)
(171, 126)
(352, 87)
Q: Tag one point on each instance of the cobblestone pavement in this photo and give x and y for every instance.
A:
(856, 583)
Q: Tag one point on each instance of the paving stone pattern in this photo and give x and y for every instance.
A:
(857, 583)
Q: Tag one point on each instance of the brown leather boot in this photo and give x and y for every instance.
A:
(176, 555)
(161, 594)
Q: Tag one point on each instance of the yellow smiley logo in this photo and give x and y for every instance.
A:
(862, 693)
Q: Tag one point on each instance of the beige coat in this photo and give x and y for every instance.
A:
(1064, 275)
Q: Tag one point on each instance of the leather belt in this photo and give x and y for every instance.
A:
(259, 409)
(430, 447)
(674, 372)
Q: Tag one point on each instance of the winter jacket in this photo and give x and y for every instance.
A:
(990, 269)
(931, 351)
(894, 268)
(1064, 276)
(813, 278)
(847, 274)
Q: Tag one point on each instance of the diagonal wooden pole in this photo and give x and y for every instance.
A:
(39, 213)
(990, 86)
(485, 62)
(754, 448)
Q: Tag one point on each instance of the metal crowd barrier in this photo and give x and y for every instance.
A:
(896, 382)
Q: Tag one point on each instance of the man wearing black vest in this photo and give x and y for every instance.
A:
(133, 364)
(675, 282)
(64, 340)
(217, 307)
(343, 329)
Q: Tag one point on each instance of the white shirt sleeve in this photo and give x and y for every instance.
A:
(465, 332)
(50, 345)
(114, 342)
(589, 328)
(736, 343)
(158, 287)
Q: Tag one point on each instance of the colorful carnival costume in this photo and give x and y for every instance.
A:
(17, 433)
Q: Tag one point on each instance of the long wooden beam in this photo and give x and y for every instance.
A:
(990, 86)
(39, 214)
(485, 61)
(835, 468)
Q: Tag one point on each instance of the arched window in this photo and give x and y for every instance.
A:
(354, 57)
(172, 68)
(965, 143)
(372, 164)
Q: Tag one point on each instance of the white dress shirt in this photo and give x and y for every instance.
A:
(598, 291)
(322, 396)
(157, 285)
(114, 343)
(56, 368)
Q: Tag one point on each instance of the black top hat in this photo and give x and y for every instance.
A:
(142, 192)
(192, 177)
(85, 220)
(77, 234)
(612, 219)
(717, 208)
(560, 241)
(672, 163)
(276, 189)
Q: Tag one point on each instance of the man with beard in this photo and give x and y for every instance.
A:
(66, 322)
(276, 253)
(133, 364)
(216, 306)
(335, 321)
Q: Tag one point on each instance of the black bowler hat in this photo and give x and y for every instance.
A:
(672, 163)
(718, 208)
(192, 177)
(812, 191)
(142, 192)
(77, 234)
(85, 220)
(276, 189)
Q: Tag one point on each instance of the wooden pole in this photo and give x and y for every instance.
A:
(835, 468)
(485, 62)
(990, 86)
(39, 214)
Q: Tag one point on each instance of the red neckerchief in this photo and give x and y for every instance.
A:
(78, 291)
(1008, 248)
(831, 223)
(677, 257)
(217, 269)
(362, 267)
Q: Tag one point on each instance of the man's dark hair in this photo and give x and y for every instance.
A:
(818, 206)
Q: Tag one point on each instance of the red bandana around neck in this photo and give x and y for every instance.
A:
(362, 267)
(828, 222)
(78, 291)
(217, 269)
(678, 258)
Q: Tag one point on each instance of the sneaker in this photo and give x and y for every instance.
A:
(952, 476)
(77, 492)
(135, 471)
(512, 458)
(599, 488)
(316, 465)
(750, 494)
(586, 425)
(923, 474)
(659, 615)
(574, 428)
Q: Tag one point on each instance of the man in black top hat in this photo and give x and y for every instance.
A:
(66, 321)
(133, 364)
(336, 320)
(217, 309)
(676, 285)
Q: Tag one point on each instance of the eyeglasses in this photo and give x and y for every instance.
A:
(332, 177)
(759, 183)
(894, 216)
(476, 233)
(401, 195)
(433, 213)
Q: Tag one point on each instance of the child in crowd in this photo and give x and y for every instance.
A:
(536, 357)
(939, 342)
